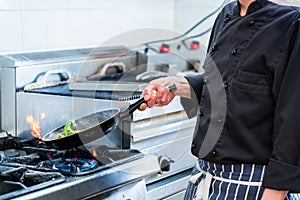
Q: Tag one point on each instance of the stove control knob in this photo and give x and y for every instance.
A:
(164, 48)
(195, 44)
(164, 163)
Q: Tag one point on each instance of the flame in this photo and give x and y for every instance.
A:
(35, 126)
(94, 153)
(49, 156)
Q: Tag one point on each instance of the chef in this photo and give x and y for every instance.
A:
(246, 104)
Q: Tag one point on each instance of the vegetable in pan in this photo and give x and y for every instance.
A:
(69, 129)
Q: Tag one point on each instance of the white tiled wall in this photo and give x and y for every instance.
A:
(34, 29)
(11, 30)
(30, 25)
(10, 4)
(57, 28)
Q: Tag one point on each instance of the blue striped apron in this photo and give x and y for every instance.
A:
(234, 182)
(293, 196)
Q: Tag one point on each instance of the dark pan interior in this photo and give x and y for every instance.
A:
(84, 123)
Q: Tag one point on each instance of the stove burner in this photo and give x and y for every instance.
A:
(70, 165)
(74, 165)
(11, 153)
(14, 153)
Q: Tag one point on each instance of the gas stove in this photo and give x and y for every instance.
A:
(29, 165)
(54, 87)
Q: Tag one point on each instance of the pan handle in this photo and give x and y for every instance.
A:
(138, 103)
(135, 105)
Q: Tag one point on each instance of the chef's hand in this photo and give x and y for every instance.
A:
(157, 92)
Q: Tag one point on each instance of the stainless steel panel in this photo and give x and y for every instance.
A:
(79, 69)
(174, 144)
(177, 196)
(136, 190)
(46, 57)
(169, 188)
(160, 125)
(167, 134)
(8, 100)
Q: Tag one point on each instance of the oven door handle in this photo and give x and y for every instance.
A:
(44, 82)
(56, 71)
(120, 65)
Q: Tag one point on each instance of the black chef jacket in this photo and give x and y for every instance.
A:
(258, 58)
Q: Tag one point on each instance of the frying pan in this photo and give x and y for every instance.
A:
(92, 126)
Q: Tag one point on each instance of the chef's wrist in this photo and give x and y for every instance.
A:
(183, 87)
(272, 194)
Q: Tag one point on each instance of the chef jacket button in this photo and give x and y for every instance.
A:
(214, 153)
(214, 48)
(219, 120)
(226, 86)
(251, 22)
(234, 52)
(201, 114)
(227, 19)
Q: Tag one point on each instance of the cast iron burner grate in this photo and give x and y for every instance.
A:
(28, 165)
(36, 155)
(17, 181)
(10, 142)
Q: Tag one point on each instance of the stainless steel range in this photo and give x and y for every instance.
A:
(148, 153)
(28, 166)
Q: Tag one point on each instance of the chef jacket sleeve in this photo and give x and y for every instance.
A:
(191, 105)
(283, 170)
